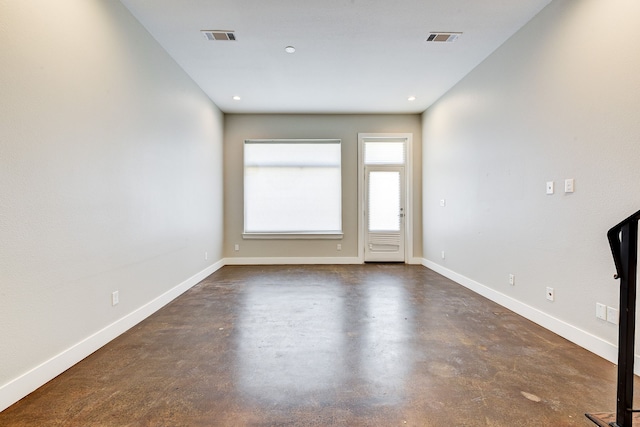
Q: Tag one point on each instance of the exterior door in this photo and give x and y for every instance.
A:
(384, 214)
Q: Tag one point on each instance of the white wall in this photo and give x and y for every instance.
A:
(560, 99)
(110, 179)
(239, 127)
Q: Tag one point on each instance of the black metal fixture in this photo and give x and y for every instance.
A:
(623, 239)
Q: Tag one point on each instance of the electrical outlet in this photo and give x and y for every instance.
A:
(115, 297)
(601, 311)
(512, 279)
(339, 247)
(612, 315)
(237, 247)
(442, 254)
(551, 294)
(443, 202)
(206, 256)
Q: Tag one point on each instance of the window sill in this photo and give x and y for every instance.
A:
(293, 236)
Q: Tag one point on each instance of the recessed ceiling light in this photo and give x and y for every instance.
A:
(411, 98)
(236, 98)
(290, 49)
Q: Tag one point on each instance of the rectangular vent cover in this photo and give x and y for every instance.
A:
(218, 35)
(443, 37)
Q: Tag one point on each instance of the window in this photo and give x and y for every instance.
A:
(292, 189)
(384, 153)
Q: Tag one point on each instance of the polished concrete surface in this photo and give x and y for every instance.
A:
(370, 345)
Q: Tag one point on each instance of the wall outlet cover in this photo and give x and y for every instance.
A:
(601, 311)
(612, 315)
(549, 187)
(551, 294)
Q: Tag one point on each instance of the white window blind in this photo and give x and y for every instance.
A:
(292, 187)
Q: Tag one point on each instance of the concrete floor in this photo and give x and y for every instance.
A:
(370, 345)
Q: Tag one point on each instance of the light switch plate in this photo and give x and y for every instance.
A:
(568, 185)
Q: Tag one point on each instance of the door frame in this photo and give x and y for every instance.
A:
(408, 188)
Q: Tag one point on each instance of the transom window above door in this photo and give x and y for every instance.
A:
(384, 152)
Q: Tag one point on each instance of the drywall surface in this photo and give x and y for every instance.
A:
(238, 127)
(110, 175)
(557, 101)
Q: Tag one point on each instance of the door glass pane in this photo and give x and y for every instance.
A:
(384, 153)
(384, 201)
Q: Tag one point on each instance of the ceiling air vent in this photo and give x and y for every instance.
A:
(443, 37)
(218, 35)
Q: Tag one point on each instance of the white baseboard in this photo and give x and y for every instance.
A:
(584, 339)
(302, 260)
(291, 260)
(21, 386)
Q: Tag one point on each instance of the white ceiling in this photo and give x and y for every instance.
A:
(352, 56)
